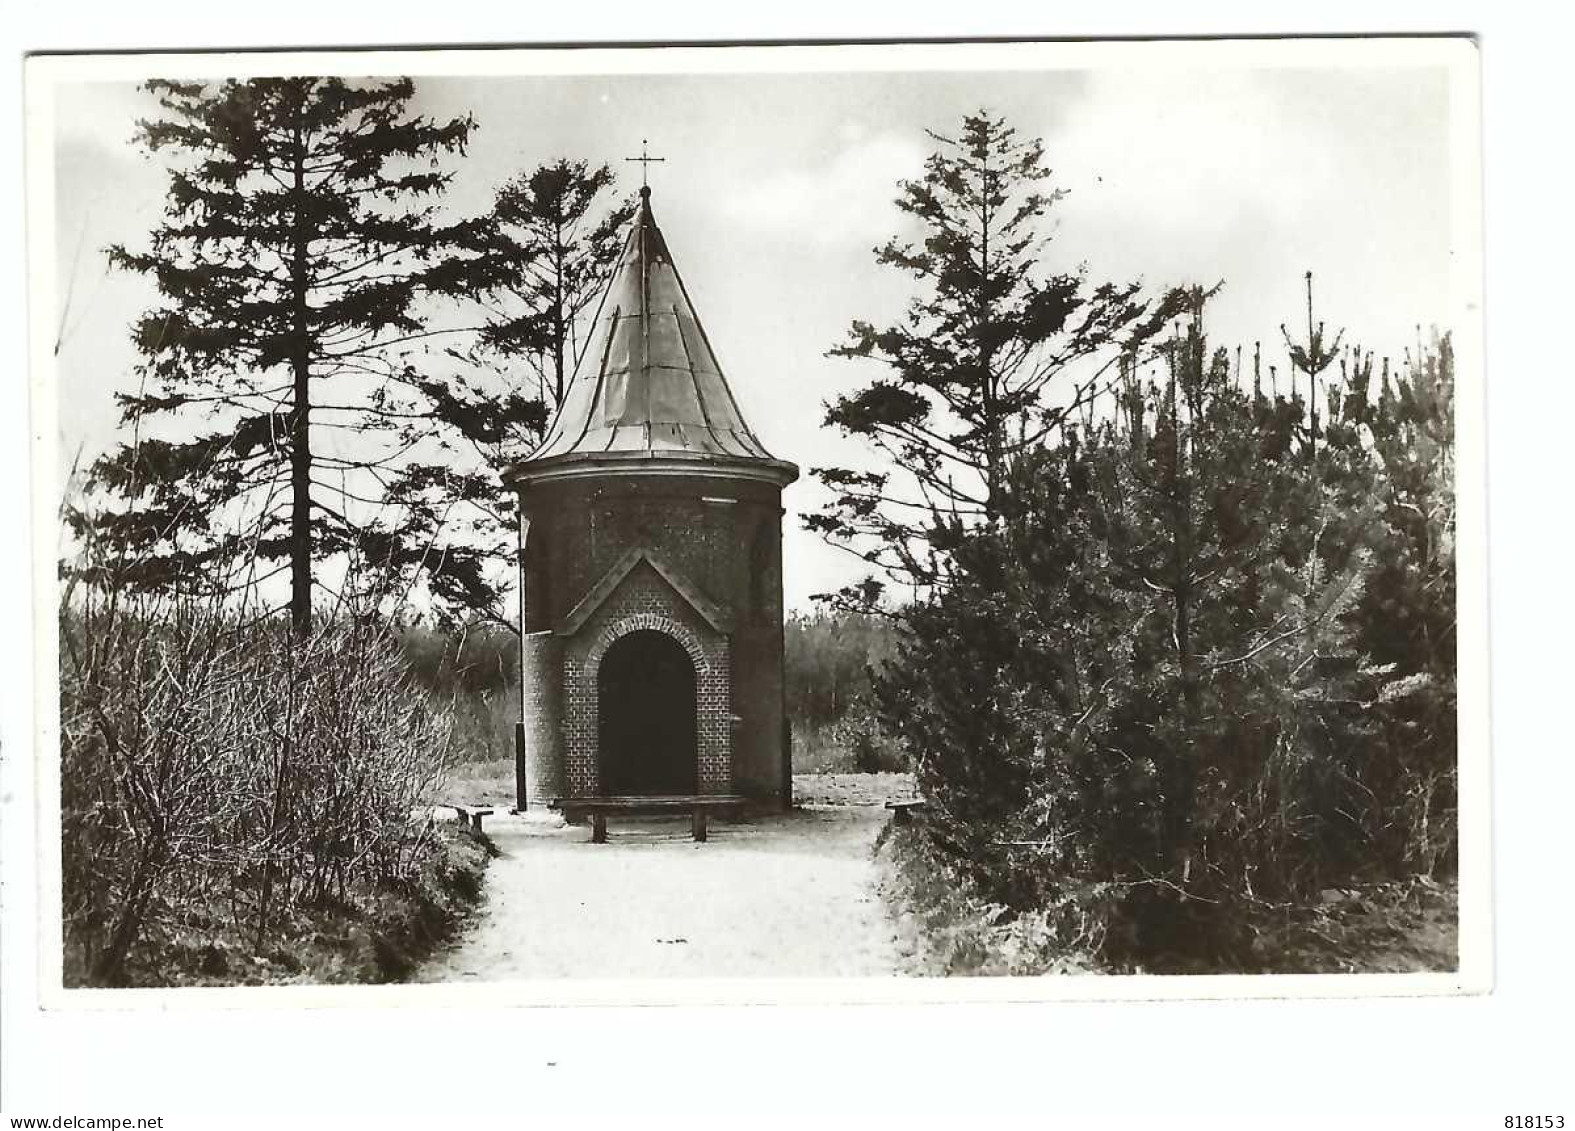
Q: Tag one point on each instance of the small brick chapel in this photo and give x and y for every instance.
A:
(651, 564)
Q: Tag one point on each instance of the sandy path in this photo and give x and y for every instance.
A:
(780, 896)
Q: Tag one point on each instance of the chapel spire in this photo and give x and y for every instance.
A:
(648, 384)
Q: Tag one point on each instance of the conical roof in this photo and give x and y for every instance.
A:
(648, 386)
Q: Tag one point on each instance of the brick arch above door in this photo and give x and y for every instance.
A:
(644, 600)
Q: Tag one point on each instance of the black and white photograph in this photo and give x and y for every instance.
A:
(771, 522)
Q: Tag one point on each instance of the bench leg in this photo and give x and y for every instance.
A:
(598, 828)
(475, 822)
(699, 825)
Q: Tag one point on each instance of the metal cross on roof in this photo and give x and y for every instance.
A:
(645, 162)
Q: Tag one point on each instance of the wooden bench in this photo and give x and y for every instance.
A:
(469, 815)
(902, 811)
(698, 806)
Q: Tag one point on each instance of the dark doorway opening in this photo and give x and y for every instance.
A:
(646, 729)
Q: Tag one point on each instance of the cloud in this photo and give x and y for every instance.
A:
(843, 202)
(1256, 177)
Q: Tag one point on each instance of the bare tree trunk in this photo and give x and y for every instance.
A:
(559, 322)
(300, 424)
(110, 968)
(1182, 549)
(987, 398)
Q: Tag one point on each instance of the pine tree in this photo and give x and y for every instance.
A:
(1150, 679)
(288, 411)
(554, 243)
(1408, 608)
(970, 367)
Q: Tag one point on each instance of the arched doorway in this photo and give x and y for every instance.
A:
(646, 728)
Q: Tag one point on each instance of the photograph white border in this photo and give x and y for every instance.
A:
(1459, 56)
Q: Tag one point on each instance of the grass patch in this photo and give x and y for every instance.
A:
(822, 789)
(482, 783)
(1399, 927)
(846, 747)
(375, 936)
(948, 927)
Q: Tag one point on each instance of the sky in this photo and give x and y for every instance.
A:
(776, 188)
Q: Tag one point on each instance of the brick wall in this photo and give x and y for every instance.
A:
(644, 601)
(715, 532)
(541, 687)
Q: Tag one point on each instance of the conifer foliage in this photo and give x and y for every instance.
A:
(300, 260)
(1198, 671)
(1190, 661)
(555, 239)
(971, 374)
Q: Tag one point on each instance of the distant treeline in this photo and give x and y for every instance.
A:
(830, 658)
(475, 672)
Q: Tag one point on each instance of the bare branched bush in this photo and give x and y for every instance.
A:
(153, 728)
(212, 761)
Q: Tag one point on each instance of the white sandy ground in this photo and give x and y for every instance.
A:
(778, 896)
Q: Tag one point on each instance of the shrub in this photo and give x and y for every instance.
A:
(1204, 663)
(208, 760)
